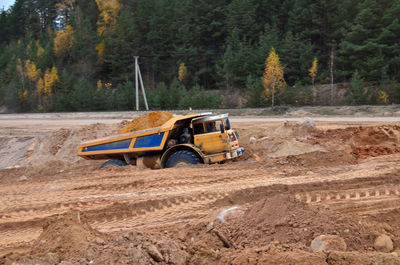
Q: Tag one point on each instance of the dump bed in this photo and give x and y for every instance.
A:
(152, 139)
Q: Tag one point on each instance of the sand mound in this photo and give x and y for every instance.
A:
(288, 139)
(140, 248)
(290, 147)
(281, 222)
(362, 142)
(66, 235)
(58, 139)
(283, 219)
(278, 229)
(58, 145)
(295, 130)
(146, 121)
(342, 146)
(69, 239)
(13, 150)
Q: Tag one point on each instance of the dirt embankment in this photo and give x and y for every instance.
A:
(307, 145)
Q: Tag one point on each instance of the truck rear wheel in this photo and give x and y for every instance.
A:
(182, 157)
(113, 162)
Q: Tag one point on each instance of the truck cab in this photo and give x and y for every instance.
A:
(214, 136)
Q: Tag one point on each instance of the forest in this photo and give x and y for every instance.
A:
(69, 55)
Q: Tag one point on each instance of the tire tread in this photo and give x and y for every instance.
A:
(178, 156)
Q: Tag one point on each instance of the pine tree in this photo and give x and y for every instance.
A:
(64, 95)
(370, 46)
(82, 95)
(356, 94)
(241, 15)
(296, 56)
(120, 44)
(255, 92)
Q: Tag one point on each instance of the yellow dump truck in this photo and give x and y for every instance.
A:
(190, 139)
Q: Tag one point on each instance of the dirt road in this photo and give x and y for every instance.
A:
(335, 168)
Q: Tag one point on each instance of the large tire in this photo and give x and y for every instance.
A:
(114, 162)
(182, 157)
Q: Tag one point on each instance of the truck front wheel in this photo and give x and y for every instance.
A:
(182, 157)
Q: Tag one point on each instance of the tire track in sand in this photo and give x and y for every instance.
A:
(158, 205)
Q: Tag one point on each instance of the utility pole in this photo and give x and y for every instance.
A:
(138, 76)
(137, 81)
(332, 61)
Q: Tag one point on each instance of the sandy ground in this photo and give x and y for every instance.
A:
(338, 177)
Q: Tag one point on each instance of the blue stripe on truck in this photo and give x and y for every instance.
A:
(153, 140)
(109, 146)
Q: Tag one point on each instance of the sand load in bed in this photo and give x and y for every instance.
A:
(146, 121)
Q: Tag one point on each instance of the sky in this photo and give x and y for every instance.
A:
(6, 4)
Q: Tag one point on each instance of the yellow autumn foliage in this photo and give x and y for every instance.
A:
(63, 42)
(182, 72)
(314, 68)
(51, 78)
(40, 52)
(109, 11)
(54, 75)
(23, 95)
(47, 83)
(32, 72)
(383, 97)
(312, 72)
(100, 50)
(273, 74)
(29, 49)
(40, 86)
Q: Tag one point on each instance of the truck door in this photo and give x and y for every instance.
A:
(209, 138)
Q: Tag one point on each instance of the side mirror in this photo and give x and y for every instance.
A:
(221, 127)
(227, 124)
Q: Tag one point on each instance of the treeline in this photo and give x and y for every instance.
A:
(59, 55)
